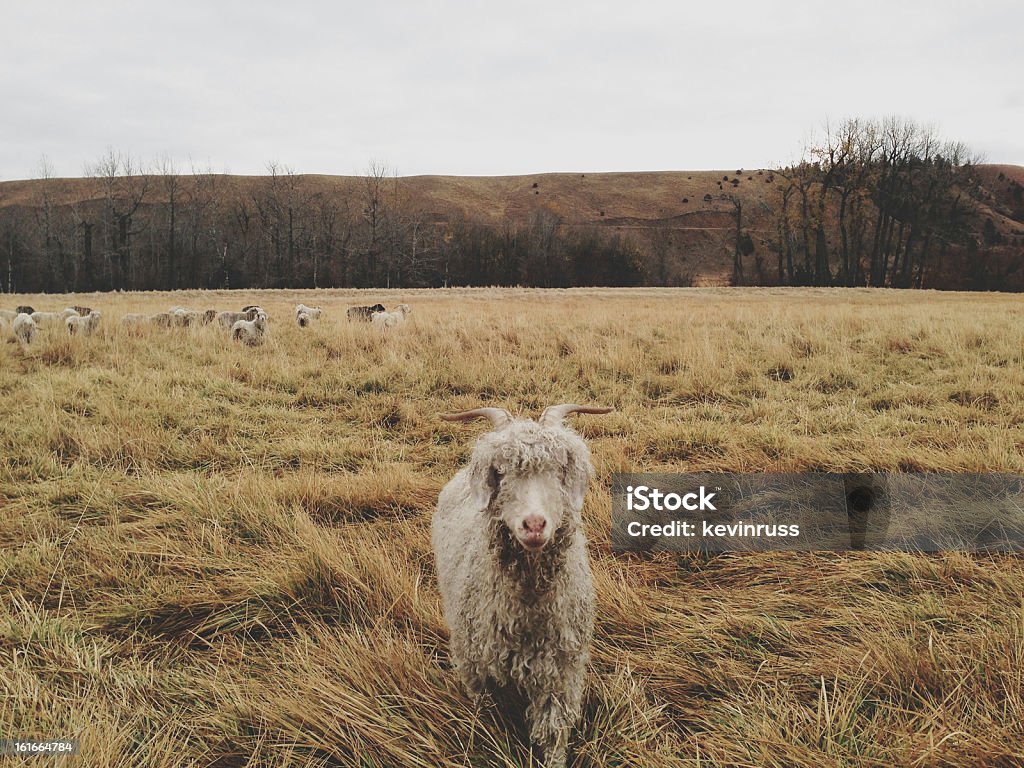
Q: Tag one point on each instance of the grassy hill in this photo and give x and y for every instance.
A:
(681, 217)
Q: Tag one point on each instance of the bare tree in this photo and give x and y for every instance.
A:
(330, 242)
(374, 217)
(170, 184)
(46, 217)
(125, 189)
(737, 259)
(785, 235)
(205, 230)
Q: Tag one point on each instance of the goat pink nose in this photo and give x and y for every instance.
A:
(534, 523)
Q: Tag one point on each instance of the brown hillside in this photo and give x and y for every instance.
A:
(684, 214)
(669, 206)
(576, 198)
(1002, 197)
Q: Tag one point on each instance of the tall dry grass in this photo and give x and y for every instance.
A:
(213, 555)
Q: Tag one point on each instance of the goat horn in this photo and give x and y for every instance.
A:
(554, 414)
(499, 416)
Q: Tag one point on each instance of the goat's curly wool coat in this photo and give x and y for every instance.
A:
(519, 618)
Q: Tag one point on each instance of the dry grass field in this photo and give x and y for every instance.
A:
(213, 555)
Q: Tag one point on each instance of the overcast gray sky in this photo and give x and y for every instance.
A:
(492, 89)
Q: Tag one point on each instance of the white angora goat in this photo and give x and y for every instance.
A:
(391, 319)
(305, 315)
(251, 331)
(83, 325)
(24, 328)
(513, 570)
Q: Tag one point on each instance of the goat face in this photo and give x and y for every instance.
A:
(529, 477)
(531, 506)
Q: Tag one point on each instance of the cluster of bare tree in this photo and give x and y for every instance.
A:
(545, 253)
(118, 239)
(167, 229)
(875, 203)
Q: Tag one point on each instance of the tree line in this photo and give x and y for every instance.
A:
(166, 230)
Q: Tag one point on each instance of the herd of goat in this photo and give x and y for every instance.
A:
(248, 326)
(511, 558)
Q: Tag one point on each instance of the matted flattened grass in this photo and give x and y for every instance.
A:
(213, 555)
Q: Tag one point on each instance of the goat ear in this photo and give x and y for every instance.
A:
(483, 482)
(577, 476)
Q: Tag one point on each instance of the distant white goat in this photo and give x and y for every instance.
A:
(135, 320)
(25, 328)
(305, 315)
(52, 319)
(183, 317)
(227, 320)
(250, 331)
(83, 326)
(313, 312)
(393, 318)
(512, 566)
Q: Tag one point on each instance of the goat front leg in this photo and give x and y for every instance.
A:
(551, 714)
